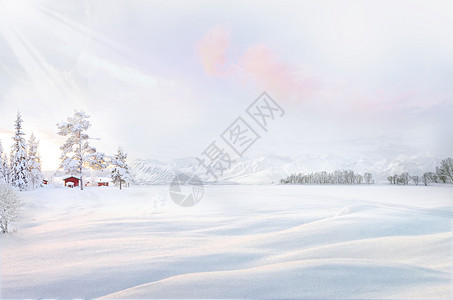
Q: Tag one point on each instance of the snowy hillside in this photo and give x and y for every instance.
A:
(267, 169)
(151, 172)
(304, 242)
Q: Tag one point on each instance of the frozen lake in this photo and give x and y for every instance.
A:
(377, 241)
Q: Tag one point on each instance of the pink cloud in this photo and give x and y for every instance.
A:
(267, 69)
(211, 50)
(258, 64)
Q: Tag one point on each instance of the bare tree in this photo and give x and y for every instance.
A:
(390, 179)
(446, 168)
(442, 177)
(415, 179)
(368, 178)
(404, 177)
(426, 178)
(395, 179)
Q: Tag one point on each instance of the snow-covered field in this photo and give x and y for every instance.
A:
(376, 241)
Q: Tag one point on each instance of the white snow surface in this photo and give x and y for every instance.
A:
(240, 241)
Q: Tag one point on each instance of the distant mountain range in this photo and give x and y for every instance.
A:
(266, 169)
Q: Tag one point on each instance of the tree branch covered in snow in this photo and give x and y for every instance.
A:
(120, 173)
(34, 162)
(10, 205)
(19, 161)
(4, 168)
(77, 153)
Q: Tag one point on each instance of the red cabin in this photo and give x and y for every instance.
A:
(103, 183)
(71, 181)
(44, 181)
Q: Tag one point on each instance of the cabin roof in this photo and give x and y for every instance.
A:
(67, 177)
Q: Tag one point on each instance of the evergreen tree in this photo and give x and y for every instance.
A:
(19, 161)
(3, 166)
(34, 162)
(77, 153)
(120, 173)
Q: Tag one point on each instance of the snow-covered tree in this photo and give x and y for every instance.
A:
(10, 205)
(19, 161)
(6, 168)
(404, 178)
(426, 178)
(120, 173)
(441, 175)
(34, 162)
(446, 168)
(3, 166)
(100, 161)
(390, 179)
(368, 178)
(415, 179)
(77, 154)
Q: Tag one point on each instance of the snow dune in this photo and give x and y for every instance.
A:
(331, 242)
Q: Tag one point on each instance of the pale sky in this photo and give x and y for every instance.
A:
(163, 79)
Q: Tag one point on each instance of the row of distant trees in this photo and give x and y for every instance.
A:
(443, 174)
(23, 168)
(337, 177)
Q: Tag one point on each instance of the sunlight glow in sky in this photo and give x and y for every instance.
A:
(163, 79)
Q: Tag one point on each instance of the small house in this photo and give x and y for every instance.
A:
(102, 182)
(45, 181)
(71, 181)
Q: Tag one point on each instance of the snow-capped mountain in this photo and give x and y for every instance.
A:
(151, 172)
(267, 169)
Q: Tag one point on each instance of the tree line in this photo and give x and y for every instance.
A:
(22, 170)
(443, 174)
(337, 177)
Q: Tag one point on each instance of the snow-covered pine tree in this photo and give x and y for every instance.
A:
(120, 173)
(77, 153)
(3, 166)
(6, 168)
(34, 162)
(18, 160)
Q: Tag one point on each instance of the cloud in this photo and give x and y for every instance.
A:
(212, 48)
(267, 69)
(258, 64)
